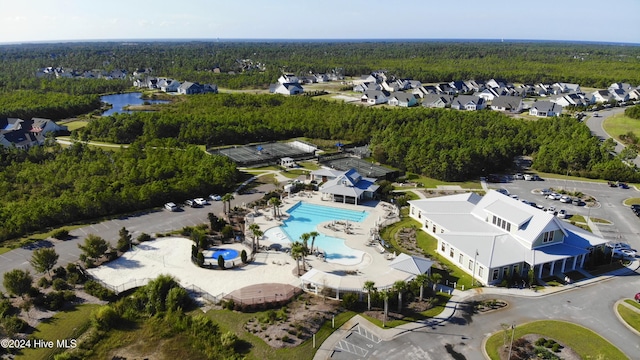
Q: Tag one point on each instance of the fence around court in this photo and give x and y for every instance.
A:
(131, 284)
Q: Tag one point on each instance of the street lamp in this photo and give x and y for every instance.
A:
(513, 332)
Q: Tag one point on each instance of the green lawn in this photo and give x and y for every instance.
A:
(309, 165)
(583, 341)
(428, 245)
(632, 201)
(76, 124)
(619, 125)
(431, 183)
(428, 314)
(629, 316)
(633, 303)
(64, 325)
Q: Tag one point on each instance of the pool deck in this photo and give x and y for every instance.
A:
(172, 256)
(375, 262)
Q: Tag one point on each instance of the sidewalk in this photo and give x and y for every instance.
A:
(326, 349)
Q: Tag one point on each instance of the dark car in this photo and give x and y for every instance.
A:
(623, 185)
(637, 297)
(611, 184)
(576, 201)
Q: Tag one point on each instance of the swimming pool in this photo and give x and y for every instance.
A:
(305, 217)
(227, 254)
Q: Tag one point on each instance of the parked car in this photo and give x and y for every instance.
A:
(623, 185)
(503, 191)
(624, 253)
(551, 210)
(215, 197)
(536, 178)
(554, 196)
(514, 196)
(565, 199)
(192, 203)
(546, 192)
(596, 115)
(612, 184)
(576, 201)
(518, 176)
(201, 201)
(171, 206)
(528, 177)
(637, 297)
(562, 214)
(618, 245)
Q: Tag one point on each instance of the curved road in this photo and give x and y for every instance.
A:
(595, 125)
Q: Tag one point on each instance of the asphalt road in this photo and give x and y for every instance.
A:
(595, 125)
(151, 222)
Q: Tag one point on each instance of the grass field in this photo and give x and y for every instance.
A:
(583, 341)
(64, 325)
(632, 201)
(76, 124)
(619, 125)
(632, 318)
(633, 303)
(428, 314)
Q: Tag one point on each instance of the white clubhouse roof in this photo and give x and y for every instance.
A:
(411, 264)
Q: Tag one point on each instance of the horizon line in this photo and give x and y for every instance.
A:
(316, 40)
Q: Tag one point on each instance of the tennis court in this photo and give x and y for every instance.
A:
(365, 168)
(264, 154)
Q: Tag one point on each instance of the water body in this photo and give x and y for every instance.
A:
(120, 101)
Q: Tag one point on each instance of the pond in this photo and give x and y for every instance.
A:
(120, 101)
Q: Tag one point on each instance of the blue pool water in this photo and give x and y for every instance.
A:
(227, 254)
(305, 217)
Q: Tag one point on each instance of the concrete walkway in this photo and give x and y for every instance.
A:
(458, 297)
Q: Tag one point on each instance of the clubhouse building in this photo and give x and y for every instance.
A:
(495, 236)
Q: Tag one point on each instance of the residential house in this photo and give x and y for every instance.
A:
(322, 77)
(349, 187)
(621, 86)
(437, 101)
(540, 90)
(619, 95)
(562, 88)
(634, 94)
(512, 104)
(288, 79)
(414, 84)
(459, 87)
(498, 83)
(489, 94)
(23, 134)
(495, 236)
(572, 99)
(395, 85)
(375, 97)
(445, 89)
(600, 96)
(308, 79)
(286, 89)
(168, 85)
(468, 102)
(367, 86)
(402, 99)
(189, 88)
(545, 109)
(475, 86)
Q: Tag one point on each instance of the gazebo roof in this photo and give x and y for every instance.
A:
(411, 264)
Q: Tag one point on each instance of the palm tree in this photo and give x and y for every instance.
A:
(369, 287)
(305, 241)
(297, 252)
(256, 234)
(313, 234)
(435, 279)
(400, 286)
(421, 279)
(226, 199)
(385, 297)
(275, 202)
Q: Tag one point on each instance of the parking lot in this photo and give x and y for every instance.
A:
(625, 226)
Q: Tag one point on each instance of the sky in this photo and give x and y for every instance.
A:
(68, 20)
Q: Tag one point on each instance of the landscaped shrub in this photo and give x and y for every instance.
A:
(99, 291)
(60, 234)
(143, 237)
(555, 348)
(104, 318)
(44, 283)
(60, 272)
(350, 301)
(59, 284)
(13, 325)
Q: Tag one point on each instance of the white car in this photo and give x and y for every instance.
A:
(546, 192)
(562, 214)
(215, 197)
(554, 196)
(514, 196)
(528, 177)
(171, 206)
(551, 210)
(565, 199)
(201, 201)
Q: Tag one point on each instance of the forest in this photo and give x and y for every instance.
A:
(443, 144)
(590, 65)
(49, 185)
